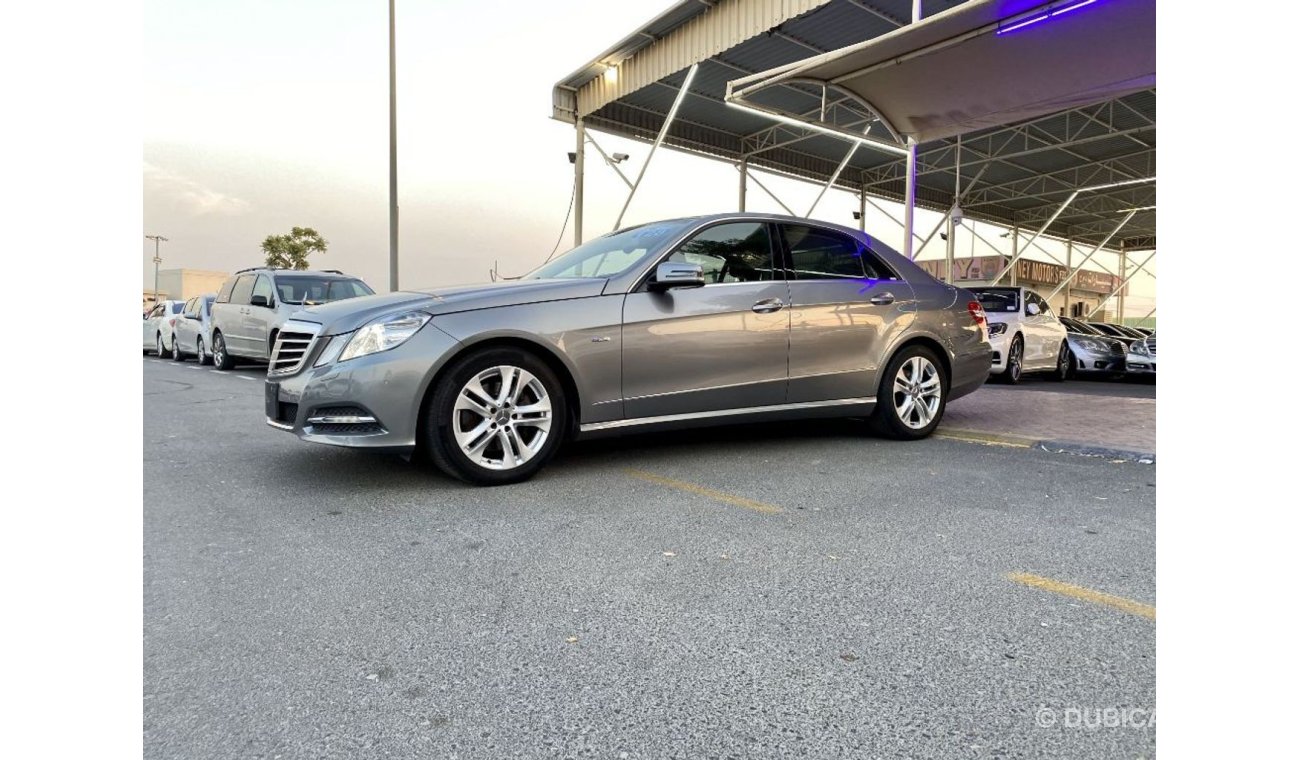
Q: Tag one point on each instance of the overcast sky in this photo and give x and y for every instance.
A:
(265, 114)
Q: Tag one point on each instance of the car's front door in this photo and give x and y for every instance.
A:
(844, 308)
(236, 333)
(1037, 332)
(712, 348)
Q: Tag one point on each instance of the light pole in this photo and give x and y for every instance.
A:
(392, 148)
(156, 261)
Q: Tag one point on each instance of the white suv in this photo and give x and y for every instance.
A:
(1026, 335)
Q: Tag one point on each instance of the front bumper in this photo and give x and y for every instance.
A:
(1000, 344)
(1106, 362)
(1140, 364)
(370, 402)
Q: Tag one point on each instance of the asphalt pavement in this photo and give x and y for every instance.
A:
(752, 591)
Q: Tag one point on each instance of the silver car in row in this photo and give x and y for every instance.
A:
(686, 322)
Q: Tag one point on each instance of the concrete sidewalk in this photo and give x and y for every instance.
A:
(1111, 422)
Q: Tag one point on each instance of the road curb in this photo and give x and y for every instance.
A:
(1089, 450)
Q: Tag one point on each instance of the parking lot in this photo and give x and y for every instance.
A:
(803, 590)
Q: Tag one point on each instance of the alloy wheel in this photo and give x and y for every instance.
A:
(917, 390)
(1014, 360)
(157, 344)
(502, 417)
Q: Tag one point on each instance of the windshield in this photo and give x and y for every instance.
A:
(607, 256)
(314, 290)
(998, 299)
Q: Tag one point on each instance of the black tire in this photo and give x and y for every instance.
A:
(1073, 373)
(885, 419)
(439, 433)
(1064, 363)
(221, 358)
(1015, 369)
(198, 353)
(158, 347)
(177, 354)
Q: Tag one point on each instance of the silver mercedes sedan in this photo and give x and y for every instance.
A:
(679, 323)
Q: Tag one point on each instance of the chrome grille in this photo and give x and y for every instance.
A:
(292, 344)
(1151, 346)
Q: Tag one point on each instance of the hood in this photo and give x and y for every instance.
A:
(350, 314)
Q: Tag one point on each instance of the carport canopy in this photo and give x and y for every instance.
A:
(981, 64)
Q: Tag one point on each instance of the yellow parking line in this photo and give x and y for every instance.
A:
(991, 439)
(1086, 594)
(726, 498)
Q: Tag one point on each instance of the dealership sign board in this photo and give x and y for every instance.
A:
(985, 268)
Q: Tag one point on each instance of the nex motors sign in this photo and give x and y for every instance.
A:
(983, 268)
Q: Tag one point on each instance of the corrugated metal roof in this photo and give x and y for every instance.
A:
(1024, 171)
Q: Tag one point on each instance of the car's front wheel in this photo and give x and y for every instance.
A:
(1064, 362)
(177, 354)
(1015, 362)
(198, 353)
(158, 346)
(496, 417)
(913, 394)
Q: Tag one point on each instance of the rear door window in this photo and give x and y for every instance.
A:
(243, 292)
(224, 295)
(817, 254)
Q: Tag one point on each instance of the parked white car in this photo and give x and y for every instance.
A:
(1026, 335)
(158, 324)
(192, 334)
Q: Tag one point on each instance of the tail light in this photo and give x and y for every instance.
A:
(977, 313)
(172, 322)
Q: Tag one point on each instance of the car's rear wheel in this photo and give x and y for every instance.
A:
(198, 352)
(221, 358)
(1015, 361)
(912, 396)
(496, 417)
(158, 346)
(1064, 362)
(177, 354)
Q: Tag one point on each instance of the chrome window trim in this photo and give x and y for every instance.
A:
(614, 424)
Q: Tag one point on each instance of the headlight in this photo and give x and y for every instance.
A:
(1091, 344)
(383, 333)
(997, 328)
(1139, 347)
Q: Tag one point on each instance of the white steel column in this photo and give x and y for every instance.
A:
(744, 177)
(909, 193)
(581, 131)
(1123, 275)
(1015, 254)
(392, 148)
(862, 210)
(1069, 277)
(663, 132)
(951, 249)
(1069, 257)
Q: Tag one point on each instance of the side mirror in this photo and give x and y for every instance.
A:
(1031, 309)
(674, 274)
(260, 301)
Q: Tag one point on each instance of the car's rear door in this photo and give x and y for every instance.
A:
(234, 327)
(844, 305)
(718, 347)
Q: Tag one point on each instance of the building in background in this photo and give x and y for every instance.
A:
(1088, 288)
(183, 284)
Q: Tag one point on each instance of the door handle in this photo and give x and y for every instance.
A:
(883, 299)
(768, 305)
